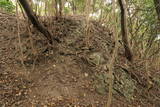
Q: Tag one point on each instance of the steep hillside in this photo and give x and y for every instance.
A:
(71, 72)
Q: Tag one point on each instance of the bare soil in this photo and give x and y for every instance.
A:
(68, 73)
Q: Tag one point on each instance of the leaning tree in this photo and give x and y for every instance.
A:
(34, 20)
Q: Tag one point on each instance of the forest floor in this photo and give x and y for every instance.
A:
(71, 73)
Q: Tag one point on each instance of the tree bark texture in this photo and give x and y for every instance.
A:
(157, 7)
(58, 7)
(32, 17)
(124, 30)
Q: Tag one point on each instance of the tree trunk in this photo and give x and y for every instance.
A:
(35, 21)
(56, 8)
(124, 30)
(74, 8)
(45, 7)
(157, 6)
(112, 60)
(60, 8)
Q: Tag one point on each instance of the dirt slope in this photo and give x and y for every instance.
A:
(70, 73)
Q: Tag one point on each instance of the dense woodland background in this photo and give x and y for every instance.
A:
(132, 28)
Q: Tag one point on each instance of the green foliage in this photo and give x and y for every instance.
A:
(7, 5)
(67, 10)
(142, 24)
(80, 5)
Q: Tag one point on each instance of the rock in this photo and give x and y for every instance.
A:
(96, 58)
